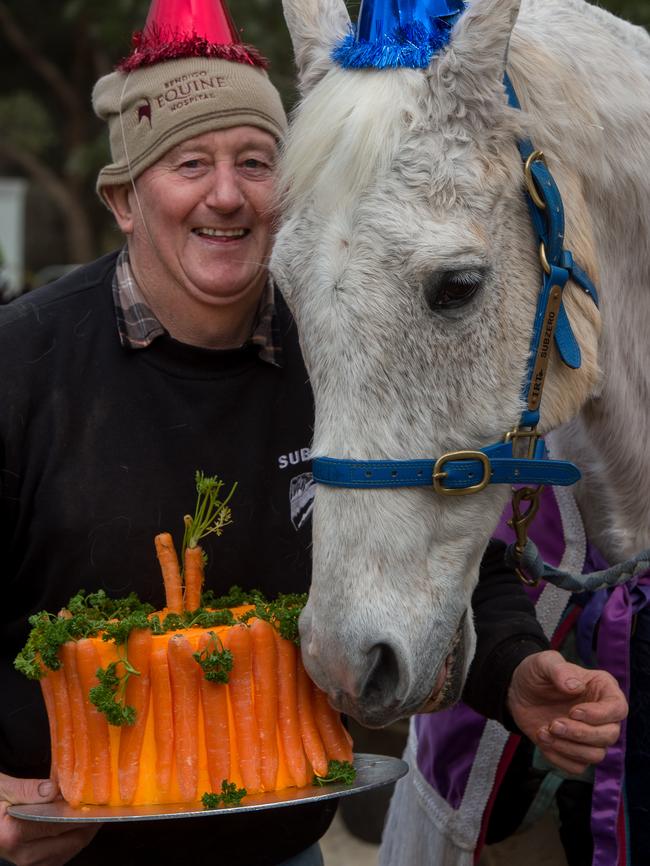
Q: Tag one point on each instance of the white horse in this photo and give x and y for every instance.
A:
(408, 260)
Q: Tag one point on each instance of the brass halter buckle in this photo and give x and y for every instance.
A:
(439, 474)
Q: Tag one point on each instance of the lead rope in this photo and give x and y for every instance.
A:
(535, 569)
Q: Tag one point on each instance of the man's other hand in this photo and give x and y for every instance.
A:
(572, 714)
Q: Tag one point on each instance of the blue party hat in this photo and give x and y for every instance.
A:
(398, 33)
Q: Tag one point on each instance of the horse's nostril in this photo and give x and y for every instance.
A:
(382, 684)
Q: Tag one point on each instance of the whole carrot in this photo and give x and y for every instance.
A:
(171, 572)
(238, 641)
(214, 698)
(193, 575)
(65, 738)
(163, 718)
(79, 726)
(311, 739)
(184, 675)
(265, 680)
(138, 688)
(288, 723)
(100, 755)
(48, 697)
(336, 740)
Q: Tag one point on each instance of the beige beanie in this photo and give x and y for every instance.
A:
(153, 108)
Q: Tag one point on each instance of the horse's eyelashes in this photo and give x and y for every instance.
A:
(448, 290)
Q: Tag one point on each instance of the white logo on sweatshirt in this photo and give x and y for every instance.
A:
(293, 458)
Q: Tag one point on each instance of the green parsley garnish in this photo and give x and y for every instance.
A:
(211, 801)
(108, 696)
(235, 597)
(337, 771)
(282, 613)
(216, 662)
(230, 795)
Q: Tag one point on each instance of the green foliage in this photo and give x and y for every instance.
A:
(337, 771)
(25, 122)
(635, 11)
(215, 661)
(230, 795)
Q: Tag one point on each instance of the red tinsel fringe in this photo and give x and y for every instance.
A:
(148, 50)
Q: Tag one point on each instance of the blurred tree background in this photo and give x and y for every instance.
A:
(51, 55)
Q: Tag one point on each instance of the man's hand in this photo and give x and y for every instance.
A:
(37, 843)
(571, 713)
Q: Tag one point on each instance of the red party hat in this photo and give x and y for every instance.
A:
(189, 28)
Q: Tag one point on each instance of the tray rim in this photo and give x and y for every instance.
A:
(58, 811)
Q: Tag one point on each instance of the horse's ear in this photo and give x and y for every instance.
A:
(315, 26)
(482, 35)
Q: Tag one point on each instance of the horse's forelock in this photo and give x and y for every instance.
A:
(346, 132)
(356, 123)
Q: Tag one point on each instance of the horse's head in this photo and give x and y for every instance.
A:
(408, 260)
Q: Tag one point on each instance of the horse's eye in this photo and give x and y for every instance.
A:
(447, 290)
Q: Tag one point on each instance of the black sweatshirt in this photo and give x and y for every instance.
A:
(98, 449)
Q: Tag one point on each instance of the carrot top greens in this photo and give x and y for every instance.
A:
(211, 514)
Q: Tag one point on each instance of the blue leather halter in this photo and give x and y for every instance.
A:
(462, 472)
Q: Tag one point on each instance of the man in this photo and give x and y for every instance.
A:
(176, 354)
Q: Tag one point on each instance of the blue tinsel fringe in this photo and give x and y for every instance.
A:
(409, 47)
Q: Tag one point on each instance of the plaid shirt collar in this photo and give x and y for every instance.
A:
(138, 327)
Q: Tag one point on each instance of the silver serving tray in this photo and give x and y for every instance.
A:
(373, 771)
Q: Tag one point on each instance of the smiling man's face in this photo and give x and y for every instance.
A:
(203, 217)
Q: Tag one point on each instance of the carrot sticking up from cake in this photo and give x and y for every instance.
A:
(171, 572)
(193, 574)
